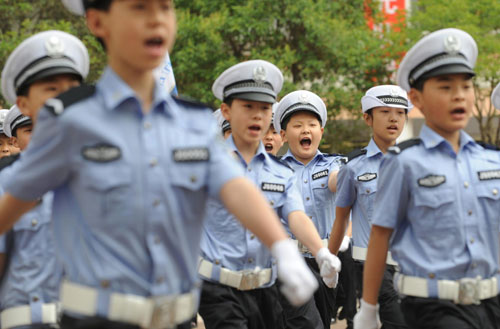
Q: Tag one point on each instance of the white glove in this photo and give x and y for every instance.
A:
(329, 267)
(367, 317)
(298, 282)
(345, 243)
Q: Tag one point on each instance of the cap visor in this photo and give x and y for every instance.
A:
(448, 69)
(51, 72)
(258, 97)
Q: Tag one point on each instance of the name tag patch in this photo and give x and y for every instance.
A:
(273, 187)
(431, 180)
(320, 174)
(488, 174)
(366, 177)
(191, 154)
(101, 153)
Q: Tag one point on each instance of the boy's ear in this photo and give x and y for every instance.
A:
(283, 136)
(368, 119)
(14, 141)
(416, 98)
(22, 104)
(95, 23)
(224, 109)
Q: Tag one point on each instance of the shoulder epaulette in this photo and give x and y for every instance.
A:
(355, 153)
(488, 146)
(190, 102)
(281, 162)
(57, 105)
(396, 149)
(8, 160)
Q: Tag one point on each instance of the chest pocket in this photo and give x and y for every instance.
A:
(434, 210)
(320, 189)
(366, 196)
(35, 219)
(111, 190)
(488, 194)
(191, 176)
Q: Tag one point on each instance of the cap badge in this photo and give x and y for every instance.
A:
(54, 47)
(259, 74)
(452, 44)
(304, 98)
(394, 92)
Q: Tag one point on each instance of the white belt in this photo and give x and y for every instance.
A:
(21, 315)
(155, 313)
(304, 250)
(464, 291)
(359, 253)
(241, 280)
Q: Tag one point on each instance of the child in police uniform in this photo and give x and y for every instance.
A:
(443, 191)
(238, 272)
(272, 139)
(384, 110)
(41, 67)
(7, 146)
(300, 118)
(131, 168)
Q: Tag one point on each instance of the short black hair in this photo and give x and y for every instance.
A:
(24, 89)
(419, 84)
(285, 122)
(229, 101)
(370, 112)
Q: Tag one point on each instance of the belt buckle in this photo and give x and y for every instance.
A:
(468, 291)
(249, 280)
(164, 313)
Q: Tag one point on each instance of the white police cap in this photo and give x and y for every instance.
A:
(75, 6)
(224, 125)
(254, 80)
(3, 114)
(15, 119)
(495, 97)
(42, 55)
(300, 100)
(385, 95)
(446, 51)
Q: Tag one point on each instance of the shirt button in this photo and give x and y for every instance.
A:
(474, 265)
(217, 262)
(153, 162)
(472, 240)
(147, 125)
(159, 279)
(466, 184)
(252, 236)
(432, 275)
(271, 203)
(305, 181)
(157, 240)
(34, 222)
(495, 191)
(156, 203)
(35, 299)
(307, 199)
(250, 260)
(469, 212)
(311, 217)
(249, 169)
(322, 185)
(105, 284)
(367, 191)
(193, 179)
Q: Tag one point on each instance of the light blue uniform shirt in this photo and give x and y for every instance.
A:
(356, 187)
(312, 180)
(129, 188)
(34, 273)
(444, 208)
(226, 243)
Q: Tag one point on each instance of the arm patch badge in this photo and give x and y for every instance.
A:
(101, 153)
(320, 174)
(191, 154)
(431, 180)
(488, 174)
(273, 187)
(366, 177)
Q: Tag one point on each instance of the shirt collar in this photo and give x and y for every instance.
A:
(372, 149)
(115, 91)
(289, 154)
(432, 139)
(261, 150)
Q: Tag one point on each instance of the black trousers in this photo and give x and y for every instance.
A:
(324, 297)
(346, 290)
(37, 326)
(390, 312)
(223, 307)
(430, 313)
(68, 322)
(305, 316)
